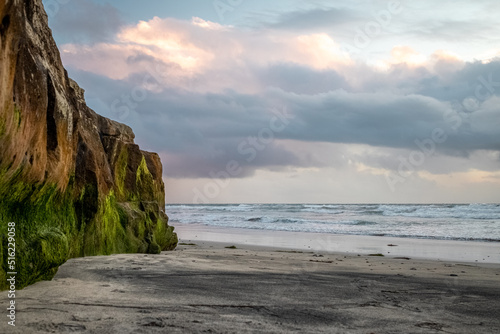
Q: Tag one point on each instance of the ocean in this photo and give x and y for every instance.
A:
(467, 222)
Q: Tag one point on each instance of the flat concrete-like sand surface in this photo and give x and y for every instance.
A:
(208, 288)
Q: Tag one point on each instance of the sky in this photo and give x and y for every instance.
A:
(298, 102)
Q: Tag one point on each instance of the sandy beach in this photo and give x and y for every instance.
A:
(254, 167)
(427, 249)
(206, 287)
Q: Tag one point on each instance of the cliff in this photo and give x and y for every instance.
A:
(73, 182)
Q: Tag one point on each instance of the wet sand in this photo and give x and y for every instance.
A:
(208, 288)
(428, 249)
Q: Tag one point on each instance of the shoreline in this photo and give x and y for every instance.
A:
(424, 249)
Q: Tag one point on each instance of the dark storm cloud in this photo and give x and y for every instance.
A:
(83, 21)
(445, 82)
(201, 132)
(200, 136)
(390, 159)
(302, 79)
(209, 163)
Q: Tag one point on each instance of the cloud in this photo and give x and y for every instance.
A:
(208, 56)
(479, 28)
(203, 95)
(200, 133)
(301, 79)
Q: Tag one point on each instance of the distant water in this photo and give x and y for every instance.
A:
(474, 222)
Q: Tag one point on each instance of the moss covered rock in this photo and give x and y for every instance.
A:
(74, 182)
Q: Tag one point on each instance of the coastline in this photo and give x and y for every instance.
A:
(207, 287)
(424, 249)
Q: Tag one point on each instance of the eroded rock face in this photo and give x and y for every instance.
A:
(73, 181)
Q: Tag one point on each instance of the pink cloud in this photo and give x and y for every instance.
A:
(209, 56)
(203, 56)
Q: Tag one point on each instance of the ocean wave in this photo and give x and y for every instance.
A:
(471, 211)
(372, 212)
(287, 221)
(323, 211)
(364, 223)
(474, 222)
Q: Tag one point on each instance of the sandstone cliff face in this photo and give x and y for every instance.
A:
(74, 182)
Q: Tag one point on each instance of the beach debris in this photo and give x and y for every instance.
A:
(376, 254)
(295, 252)
(392, 245)
(402, 258)
(231, 247)
(321, 261)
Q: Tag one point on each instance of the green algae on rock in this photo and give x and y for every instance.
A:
(74, 182)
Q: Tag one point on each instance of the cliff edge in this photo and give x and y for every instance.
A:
(73, 182)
